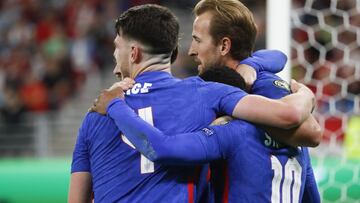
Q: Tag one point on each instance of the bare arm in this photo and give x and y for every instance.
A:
(308, 134)
(287, 112)
(80, 188)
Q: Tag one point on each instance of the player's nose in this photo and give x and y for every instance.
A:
(191, 51)
(116, 71)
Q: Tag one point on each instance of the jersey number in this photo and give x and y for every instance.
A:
(146, 166)
(291, 177)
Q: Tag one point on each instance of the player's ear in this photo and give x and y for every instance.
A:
(225, 46)
(135, 54)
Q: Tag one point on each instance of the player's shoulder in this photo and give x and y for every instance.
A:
(192, 81)
(94, 119)
(268, 84)
(265, 75)
(268, 77)
(202, 85)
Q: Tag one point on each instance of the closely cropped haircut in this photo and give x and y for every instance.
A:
(230, 19)
(152, 25)
(225, 75)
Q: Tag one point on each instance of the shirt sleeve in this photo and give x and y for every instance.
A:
(311, 192)
(266, 60)
(220, 97)
(80, 159)
(271, 86)
(187, 148)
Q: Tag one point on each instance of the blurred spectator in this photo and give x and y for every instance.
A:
(13, 107)
(49, 47)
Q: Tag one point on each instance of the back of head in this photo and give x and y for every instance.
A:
(230, 19)
(156, 27)
(224, 75)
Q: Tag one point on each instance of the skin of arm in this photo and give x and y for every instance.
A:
(80, 188)
(248, 73)
(308, 134)
(287, 112)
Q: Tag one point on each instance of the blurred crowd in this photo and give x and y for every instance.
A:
(48, 47)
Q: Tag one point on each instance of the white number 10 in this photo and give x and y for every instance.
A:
(146, 166)
(292, 172)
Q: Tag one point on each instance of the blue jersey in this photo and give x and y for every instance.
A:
(270, 172)
(122, 174)
(251, 166)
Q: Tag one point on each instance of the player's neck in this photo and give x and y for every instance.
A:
(231, 63)
(159, 62)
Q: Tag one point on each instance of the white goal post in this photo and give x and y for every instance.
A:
(278, 30)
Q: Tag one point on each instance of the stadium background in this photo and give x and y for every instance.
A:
(56, 55)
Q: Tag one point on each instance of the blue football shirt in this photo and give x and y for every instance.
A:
(250, 166)
(122, 174)
(257, 168)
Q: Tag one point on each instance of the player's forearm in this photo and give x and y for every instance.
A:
(261, 110)
(308, 134)
(138, 133)
(154, 144)
(80, 188)
(302, 102)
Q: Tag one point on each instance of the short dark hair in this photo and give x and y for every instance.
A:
(152, 25)
(225, 75)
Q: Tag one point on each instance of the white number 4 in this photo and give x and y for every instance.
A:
(292, 170)
(146, 166)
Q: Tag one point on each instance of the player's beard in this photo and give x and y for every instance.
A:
(211, 65)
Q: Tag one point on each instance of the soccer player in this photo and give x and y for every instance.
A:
(224, 32)
(105, 162)
(257, 169)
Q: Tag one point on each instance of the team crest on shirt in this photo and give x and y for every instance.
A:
(282, 84)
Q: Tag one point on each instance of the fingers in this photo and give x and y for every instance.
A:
(295, 86)
(94, 105)
(96, 101)
(125, 84)
(129, 80)
(92, 109)
(116, 90)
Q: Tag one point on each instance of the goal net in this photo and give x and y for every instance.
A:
(325, 55)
